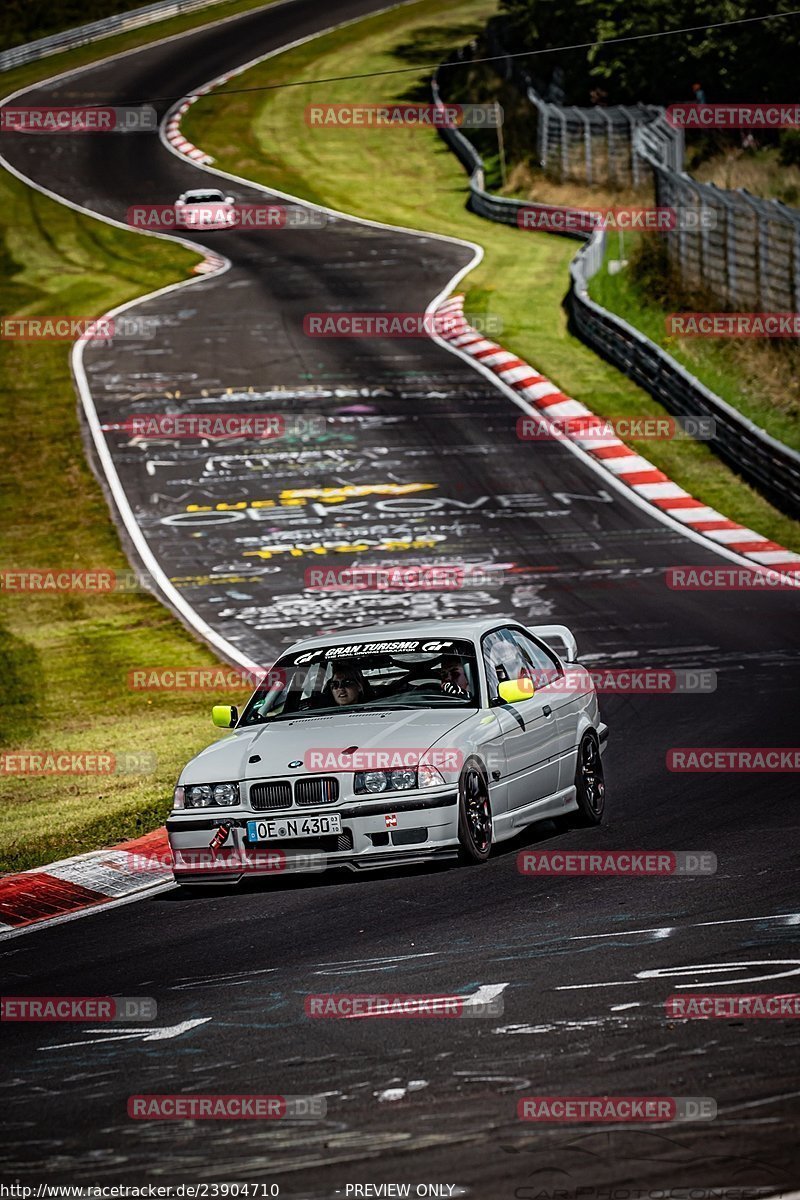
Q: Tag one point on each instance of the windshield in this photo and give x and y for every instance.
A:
(371, 676)
(203, 197)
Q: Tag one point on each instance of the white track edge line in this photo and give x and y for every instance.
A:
(478, 253)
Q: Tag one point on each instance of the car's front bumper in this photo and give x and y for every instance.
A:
(376, 833)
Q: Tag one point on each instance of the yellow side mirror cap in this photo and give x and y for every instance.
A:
(514, 691)
(224, 716)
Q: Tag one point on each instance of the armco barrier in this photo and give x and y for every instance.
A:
(81, 35)
(748, 256)
(769, 465)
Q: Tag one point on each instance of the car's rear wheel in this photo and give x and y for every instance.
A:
(474, 814)
(590, 787)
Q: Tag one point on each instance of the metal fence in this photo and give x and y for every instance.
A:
(745, 251)
(769, 465)
(588, 145)
(81, 35)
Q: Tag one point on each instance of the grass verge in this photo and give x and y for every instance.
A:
(758, 377)
(408, 177)
(65, 658)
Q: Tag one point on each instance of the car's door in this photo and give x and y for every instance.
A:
(558, 690)
(530, 728)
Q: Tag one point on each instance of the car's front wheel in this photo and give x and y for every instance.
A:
(474, 814)
(590, 787)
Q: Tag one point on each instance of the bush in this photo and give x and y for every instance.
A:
(789, 148)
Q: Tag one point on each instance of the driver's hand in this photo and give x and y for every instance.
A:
(452, 689)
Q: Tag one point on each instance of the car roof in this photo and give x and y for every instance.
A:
(466, 628)
(204, 192)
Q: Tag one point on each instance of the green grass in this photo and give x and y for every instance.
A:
(408, 177)
(65, 659)
(735, 369)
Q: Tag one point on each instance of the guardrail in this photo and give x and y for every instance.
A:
(81, 35)
(746, 253)
(769, 465)
(748, 250)
(486, 204)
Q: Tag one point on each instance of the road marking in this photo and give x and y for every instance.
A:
(397, 1093)
(369, 964)
(696, 969)
(166, 1033)
(790, 918)
(485, 993)
(233, 979)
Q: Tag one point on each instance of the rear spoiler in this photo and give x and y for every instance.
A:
(558, 638)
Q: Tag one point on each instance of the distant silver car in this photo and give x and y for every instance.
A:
(205, 208)
(411, 744)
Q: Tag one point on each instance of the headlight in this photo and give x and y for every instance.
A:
(399, 780)
(210, 795)
(371, 781)
(385, 781)
(429, 776)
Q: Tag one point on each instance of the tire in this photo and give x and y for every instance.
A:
(590, 787)
(474, 814)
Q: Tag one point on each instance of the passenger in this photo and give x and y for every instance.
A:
(454, 677)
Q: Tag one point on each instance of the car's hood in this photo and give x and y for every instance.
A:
(283, 742)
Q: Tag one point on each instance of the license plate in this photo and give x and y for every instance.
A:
(293, 827)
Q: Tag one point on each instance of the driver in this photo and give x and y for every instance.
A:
(347, 685)
(454, 677)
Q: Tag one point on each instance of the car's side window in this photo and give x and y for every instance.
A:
(543, 665)
(503, 659)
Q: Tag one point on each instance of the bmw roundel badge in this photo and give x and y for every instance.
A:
(296, 762)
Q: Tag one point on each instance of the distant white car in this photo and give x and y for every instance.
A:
(205, 208)
(409, 744)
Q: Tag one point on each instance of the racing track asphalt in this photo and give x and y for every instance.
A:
(577, 1019)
